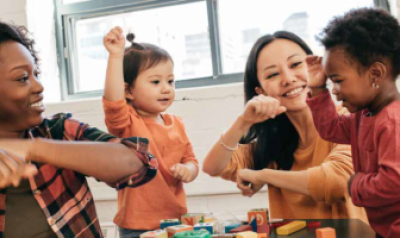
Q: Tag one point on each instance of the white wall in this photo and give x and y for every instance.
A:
(207, 112)
(13, 10)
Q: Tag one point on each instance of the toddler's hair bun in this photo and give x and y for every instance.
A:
(130, 37)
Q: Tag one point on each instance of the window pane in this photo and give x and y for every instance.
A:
(182, 30)
(306, 18)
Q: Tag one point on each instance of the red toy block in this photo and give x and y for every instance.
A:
(326, 232)
(313, 224)
(279, 224)
(241, 228)
(263, 229)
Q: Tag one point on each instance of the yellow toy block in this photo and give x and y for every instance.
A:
(209, 219)
(192, 218)
(155, 234)
(178, 228)
(326, 232)
(291, 227)
(246, 234)
(261, 214)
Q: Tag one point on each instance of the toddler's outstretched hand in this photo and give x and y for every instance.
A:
(181, 172)
(114, 42)
(316, 75)
(261, 108)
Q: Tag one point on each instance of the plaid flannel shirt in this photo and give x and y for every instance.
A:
(64, 195)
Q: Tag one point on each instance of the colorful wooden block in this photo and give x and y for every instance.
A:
(210, 227)
(313, 224)
(253, 224)
(246, 234)
(261, 214)
(262, 235)
(291, 227)
(193, 234)
(192, 218)
(168, 222)
(155, 234)
(263, 229)
(178, 228)
(208, 220)
(241, 228)
(279, 224)
(326, 232)
(229, 227)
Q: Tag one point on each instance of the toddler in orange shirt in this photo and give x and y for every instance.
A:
(139, 88)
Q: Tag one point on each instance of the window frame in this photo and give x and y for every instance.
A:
(66, 15)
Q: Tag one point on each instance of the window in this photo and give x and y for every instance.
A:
(241, 23)
(209, 40)
(188, 44)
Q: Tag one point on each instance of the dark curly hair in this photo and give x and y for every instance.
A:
(10, 32)
(276, 139)
(141, 56)
(367, 35)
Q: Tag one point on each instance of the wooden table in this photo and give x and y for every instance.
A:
(345, 228)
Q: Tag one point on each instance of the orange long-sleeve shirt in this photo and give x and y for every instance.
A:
(329, 167)
(142, 208)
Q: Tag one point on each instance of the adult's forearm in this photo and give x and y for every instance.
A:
(108, 162)
(219, 157)
(295, 181)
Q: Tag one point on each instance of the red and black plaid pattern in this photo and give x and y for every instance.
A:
(64, 195)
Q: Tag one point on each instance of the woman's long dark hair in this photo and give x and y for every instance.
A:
(276, 140)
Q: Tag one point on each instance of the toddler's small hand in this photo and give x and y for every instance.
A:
(316, 75)
(181, 172)
(114, 42)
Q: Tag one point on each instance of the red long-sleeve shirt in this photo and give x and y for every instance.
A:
(375, 142)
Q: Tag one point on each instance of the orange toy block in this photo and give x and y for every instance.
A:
(171, 230)
(262, 235)
(192, 218)
(326, 232)
(261, 214)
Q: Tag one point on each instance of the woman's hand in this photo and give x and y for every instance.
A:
(13, 168)
(316, 75)
(248, 182)
(261, 108)
(114, 42)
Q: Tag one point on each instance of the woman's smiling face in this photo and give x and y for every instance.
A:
(282, 73)
(21, 105)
